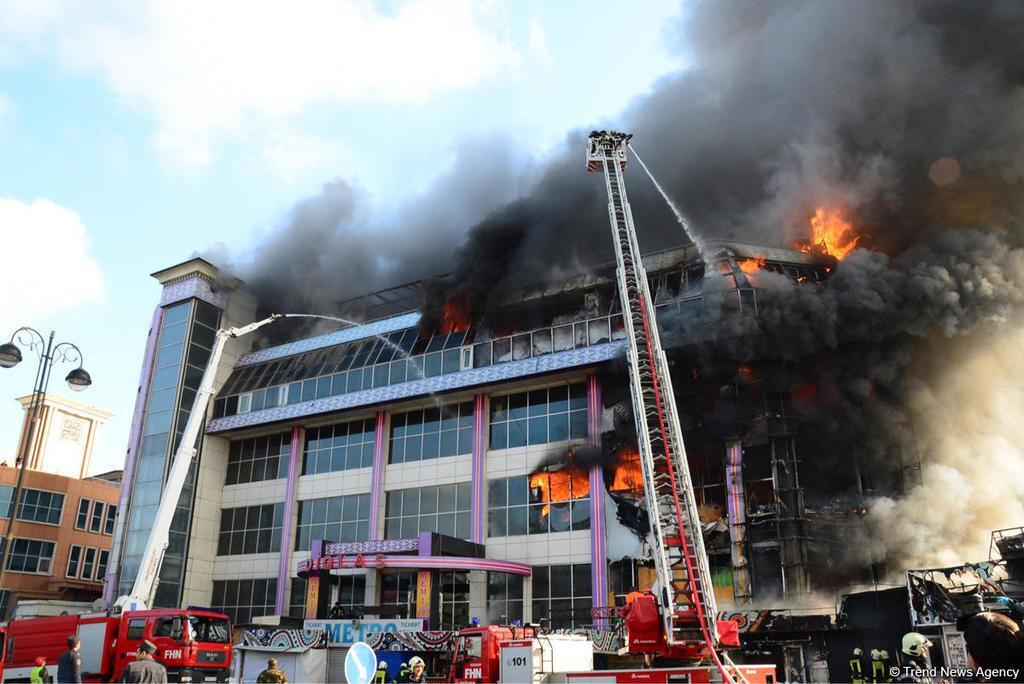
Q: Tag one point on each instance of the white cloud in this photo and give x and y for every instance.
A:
(288, 154)
(45, 265)
(210, 69)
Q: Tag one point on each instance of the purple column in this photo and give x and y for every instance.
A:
(283, 570)
(598, 564)
(377, 476)
(479, 474)
(127, 480)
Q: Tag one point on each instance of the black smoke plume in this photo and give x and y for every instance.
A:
(906, 116)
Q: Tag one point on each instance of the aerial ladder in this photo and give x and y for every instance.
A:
(685, 596)
(140, 597)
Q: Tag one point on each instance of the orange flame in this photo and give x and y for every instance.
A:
(557, 486)
(628, 475)
(456, 315)
(751, 266)
(830, 234)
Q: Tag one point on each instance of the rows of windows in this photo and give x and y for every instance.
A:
(539, 416)
(562, 592)
(350, 367)
(30, 555)
(36, 505)
(258, 459)
(337, 518)
(444, 509)
(245, 599)
(87, 563)
(431, 433)
(95, 516)
(250, 529)
(544, 502)
(339, 447)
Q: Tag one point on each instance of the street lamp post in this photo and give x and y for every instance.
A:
(78, 379)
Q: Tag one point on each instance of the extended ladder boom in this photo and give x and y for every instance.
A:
(144, 588)
(686, 597)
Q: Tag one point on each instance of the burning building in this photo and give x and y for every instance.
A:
(842, 389)
(502, 448)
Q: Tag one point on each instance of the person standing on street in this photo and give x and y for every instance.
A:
(39, 673)
(145, 670)
(272, 675)
(69, 665)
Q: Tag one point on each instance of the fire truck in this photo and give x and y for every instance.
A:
(523, 655)
(194, 644)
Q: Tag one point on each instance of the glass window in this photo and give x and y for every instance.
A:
(136, 630)
(540, 416)
(250, 529)
(108, 524)
(562, 594)
(36, 505)
(344, 446)
(432, 433)
(350, 597)
(101, 565)
(336, 518)
(504, 597)
(258, 459)
(96, 523)
(74, 559)
(245, 599)
(544, 502)
(444, 509)
(453, 599)
(30, 555)
(398, 588)
(88, 563)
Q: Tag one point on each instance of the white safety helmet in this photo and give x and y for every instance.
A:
(915, 644)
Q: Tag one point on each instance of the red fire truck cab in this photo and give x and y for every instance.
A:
(194, 644)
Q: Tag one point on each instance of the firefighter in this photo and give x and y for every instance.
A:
(380, 676)
(403, 673)
(879, 668)
(915, 657)
(417, 670)
(858, 667)
(272, 675)
(39, 673)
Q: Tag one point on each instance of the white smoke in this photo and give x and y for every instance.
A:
(969, 428)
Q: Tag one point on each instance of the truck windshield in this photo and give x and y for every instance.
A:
(209, 629)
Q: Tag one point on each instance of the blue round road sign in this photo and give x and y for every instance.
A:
(360, 663)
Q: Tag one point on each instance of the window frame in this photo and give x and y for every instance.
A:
(77, 561)
(96, 521)
(28, 541)
(79, 523)
(88, 561)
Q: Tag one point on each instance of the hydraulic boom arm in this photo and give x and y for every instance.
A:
(141, 595)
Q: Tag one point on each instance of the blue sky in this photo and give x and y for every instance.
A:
(133, 134)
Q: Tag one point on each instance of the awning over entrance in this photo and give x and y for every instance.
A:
(429, 551)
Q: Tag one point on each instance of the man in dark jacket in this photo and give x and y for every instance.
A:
(69, 665)
(145, 670)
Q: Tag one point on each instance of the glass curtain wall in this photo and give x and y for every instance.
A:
(186, 338)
